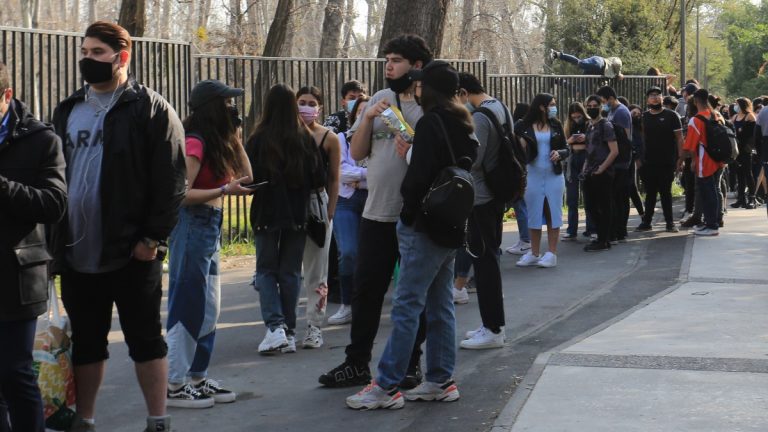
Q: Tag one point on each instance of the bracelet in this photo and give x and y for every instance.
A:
(224, 189)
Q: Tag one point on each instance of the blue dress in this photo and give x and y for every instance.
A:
(544, 184)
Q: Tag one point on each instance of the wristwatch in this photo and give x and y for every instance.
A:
(150, 243)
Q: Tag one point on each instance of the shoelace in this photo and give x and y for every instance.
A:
(365, 390)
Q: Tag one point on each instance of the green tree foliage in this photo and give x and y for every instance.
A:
(746, 33)
(641, 32)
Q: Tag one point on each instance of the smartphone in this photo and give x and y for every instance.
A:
(254, 186)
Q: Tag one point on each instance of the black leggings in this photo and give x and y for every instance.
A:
(744, 178)
(486, 227)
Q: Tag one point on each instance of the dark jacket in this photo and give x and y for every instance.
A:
(558, 143)
(279, 205)
(143, 172)
(32, 193)
(429, 156)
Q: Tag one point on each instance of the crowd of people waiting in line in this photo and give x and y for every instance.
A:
(362, 177)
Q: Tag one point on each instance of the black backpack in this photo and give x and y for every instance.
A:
(721, 140)
(507, 180)
(451, 197)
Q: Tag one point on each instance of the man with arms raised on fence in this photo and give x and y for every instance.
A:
(125, 166)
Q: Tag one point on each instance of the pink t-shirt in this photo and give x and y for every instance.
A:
(205, 179)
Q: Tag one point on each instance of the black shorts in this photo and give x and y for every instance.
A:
(137, 290)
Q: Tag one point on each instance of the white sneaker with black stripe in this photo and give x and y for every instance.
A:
(375, 397)
(187, 397)
(429, 391)
(214, 389)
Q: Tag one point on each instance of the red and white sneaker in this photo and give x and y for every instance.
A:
(375, 397)
(429, 391)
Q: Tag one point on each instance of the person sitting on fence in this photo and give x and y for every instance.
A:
(339, 122)
(216, 166)
(124, 147)
(32, 192)
(609, 67)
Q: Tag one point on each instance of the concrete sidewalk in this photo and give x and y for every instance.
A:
(693, 358)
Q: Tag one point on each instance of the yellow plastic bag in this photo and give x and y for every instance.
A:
(53, 365)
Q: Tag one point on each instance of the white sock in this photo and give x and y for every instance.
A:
(197, 381)
(175, 387)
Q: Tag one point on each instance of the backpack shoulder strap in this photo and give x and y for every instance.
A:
(492, 118)
(446, 136)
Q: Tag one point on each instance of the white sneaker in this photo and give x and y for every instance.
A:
(373, 397)
(548, 260)
(519, 248)
(429, 391)
(273, 341)
(528, 260)
(460, 296)
(342, 316)
(314, 338)
(483, 339)
(291, 347)
(470, 334)
(707, 232)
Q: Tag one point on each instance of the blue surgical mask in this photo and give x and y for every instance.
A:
(552, 112)
(736, 109)
(606, 107)
(351, 105)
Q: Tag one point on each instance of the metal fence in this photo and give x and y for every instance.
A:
(514, 89)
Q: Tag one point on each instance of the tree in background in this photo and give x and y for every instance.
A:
(133, 17)
(425, 18)
(746, 33)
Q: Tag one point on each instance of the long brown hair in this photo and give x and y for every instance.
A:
(220, 138)
(431, 99)
(356, 110)
(575, 107)
(286, 146)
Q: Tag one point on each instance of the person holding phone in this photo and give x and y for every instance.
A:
(216, 166)
(575, 129)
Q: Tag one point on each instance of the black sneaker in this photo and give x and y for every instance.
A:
(643, 227)
(671, 228)
(412, 378)
(690, 222)
(188, 397)
(346, 375)
(596, 247)
(213, 389)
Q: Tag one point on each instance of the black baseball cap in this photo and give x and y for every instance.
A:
(653, 89)
(206, 90)
(438, 75)
(690, 88)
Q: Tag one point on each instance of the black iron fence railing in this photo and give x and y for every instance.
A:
(514, 89)
(43, 70)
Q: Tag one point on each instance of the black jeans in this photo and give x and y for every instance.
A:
(658, 180)
(620, 203)
(486, 227)
(689, 184)
(634, 194)
(744, 177)
(19, 394)
(377, 255)
(599, 202)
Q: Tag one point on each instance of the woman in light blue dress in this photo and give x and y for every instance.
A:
(541, 134)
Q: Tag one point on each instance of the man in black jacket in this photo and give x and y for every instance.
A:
(125, 167)
(32, 193)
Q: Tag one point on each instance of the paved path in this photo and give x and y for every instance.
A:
(693, 359)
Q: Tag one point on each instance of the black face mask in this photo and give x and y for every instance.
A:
(94, 71)
(593, 113)
(234, 116)
(655, 107)
(401, 84)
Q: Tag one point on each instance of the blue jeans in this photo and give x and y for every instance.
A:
(711, 199)
(346, 227)
(572, 188)
(463, 263)
(426, 280)
(594, 65)
(521, 213)
(194, 291)
(279, 254)
(19, 393)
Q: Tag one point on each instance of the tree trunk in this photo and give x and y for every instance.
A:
(466, 35)
(349, 28)
(30, 12)
(74, 18)
(92, 17)
(278, 31)
(166, 22)
(133, 17)
(424, 18)
(332, 24)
